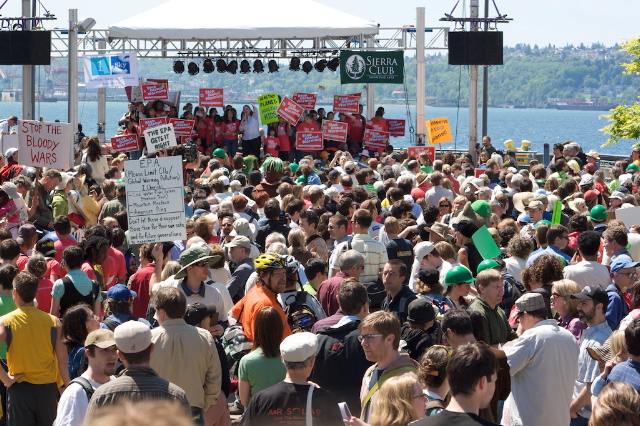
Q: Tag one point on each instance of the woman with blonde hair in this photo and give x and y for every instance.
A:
(567, 307)
(400, 401)
(298, 246)
(617, 405)
(447, 252)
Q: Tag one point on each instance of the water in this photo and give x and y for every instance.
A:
(539, 126)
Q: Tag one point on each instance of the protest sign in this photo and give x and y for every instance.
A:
(349, 104)
(111, 70)
(182, 127)
(375, 139)
(290, 111)
(335, 130)
(268, 105)
(211, 98)
(438, 131)
(305, 100)
(43, 144)
(9, 141)
(485, 243)
(155, 200)
(309, 141)
(160, 137)
(371, 67)
(149, 123)
(556, 216)
(125, 143)
(396, 127)
(154, 92)
(417, 150)
(478, 172)
(629, 216)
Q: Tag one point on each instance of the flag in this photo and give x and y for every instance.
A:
(321, 88)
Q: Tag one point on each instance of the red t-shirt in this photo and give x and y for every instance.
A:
(356, 129)
(54, 268)
(379, 124)
(231, 128)
(109, 271)
(140, 284)
(62, 244)
(88, 269)
(270, 146)
(119, 260)
(285, 143)
(22, 262)
(43, 296)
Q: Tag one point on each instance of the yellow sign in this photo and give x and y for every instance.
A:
(438, 131)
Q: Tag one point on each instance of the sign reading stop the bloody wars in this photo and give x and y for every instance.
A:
(182, 127)
(305, 100)
(125, 143)
(438, 131)
(210, 98)
(417, 150)
(396, 127)
(43, 144)
(290, 110)
(375, 139)
(349, 104)
(335, 130)
(149, 123)
(155, 92)
(309, 141)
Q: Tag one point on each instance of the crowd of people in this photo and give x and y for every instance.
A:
(350, 286)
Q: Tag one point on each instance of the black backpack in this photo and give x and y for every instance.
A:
(88, 389)
(299, 315)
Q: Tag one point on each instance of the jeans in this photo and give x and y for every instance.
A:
(579, 421)
(232, 146)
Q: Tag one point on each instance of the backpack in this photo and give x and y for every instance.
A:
(299, 315)
(112, 324)
(88, 389)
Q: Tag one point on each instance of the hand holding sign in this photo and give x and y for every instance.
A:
(43, 144)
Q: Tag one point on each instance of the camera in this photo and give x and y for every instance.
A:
(190, 152)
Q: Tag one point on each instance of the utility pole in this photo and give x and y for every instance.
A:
(28, 71)
(473, 90)
(485, 80)
(72, 99)
(421, 130)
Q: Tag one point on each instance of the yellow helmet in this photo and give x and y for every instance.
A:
(269, 261)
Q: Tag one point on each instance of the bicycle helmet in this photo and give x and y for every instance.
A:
(269, 261)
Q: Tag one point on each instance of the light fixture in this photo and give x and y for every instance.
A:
(232, 67)
(320, 65)
(86, 25)
(257, 66)
(295, 64)
(193, 68)
(178, 67)
(333, 64)
(207, 66)
(245, 68)
(221, 65)
(273, 66)
(307, 67)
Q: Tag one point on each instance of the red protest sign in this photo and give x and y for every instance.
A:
(154, 92)
(375, 139)
(335, 130)
(396, 127)
(210, 98)
(125, 143)
(348, 103)
(158, 80)
(309, 141)
(305, 100)
(290, 110)
(479, 172)
(417, 150)
(147, 123)
(182, 127)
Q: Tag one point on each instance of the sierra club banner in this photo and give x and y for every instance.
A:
(371, 67)
(116, 70)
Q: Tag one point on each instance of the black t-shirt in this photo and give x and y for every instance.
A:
(449, 418)
(285, 404)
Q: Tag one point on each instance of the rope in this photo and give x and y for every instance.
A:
(412, 138)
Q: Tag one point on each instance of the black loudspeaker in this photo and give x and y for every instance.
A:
(475, 48)
(25, 48)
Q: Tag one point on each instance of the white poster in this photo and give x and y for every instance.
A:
(155, 200)
(9, 141)
(43, 144)
(629, 216)
(112, 70)
(160, 137)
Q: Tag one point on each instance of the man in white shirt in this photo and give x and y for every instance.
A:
(588, 272)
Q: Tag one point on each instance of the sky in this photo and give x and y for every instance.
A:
(542, 22)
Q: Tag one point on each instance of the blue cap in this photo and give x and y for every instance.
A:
(121, 292)
(199, 212)
(623, 189)
(623, 262)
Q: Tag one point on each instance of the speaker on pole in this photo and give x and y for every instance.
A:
(475, 48)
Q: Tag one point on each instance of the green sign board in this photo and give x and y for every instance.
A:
(268, 105)
(371, 67)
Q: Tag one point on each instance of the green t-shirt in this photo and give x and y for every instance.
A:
(261, 372)
(6, 306)
(309, 289)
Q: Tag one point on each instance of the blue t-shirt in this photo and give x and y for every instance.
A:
(627, 372)
(80, 280)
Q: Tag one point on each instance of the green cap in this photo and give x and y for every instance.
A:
(541, 222)
(193, 255)
(301, 179)
(219, 152)
(487, 264)
(294, 167)
(458, 275)
(598, 212)
(482, 207)
(633, 167)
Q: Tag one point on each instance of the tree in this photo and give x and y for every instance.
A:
(625, 120)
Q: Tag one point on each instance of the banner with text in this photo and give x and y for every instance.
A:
(160, 137)
(305, 100)
(438, 131)
(375, 139)
(114, 70)
(417, 150)
(335, 130)
(309, 141)
(43, 144)
(155, 200)
(155, 92)
(290, 110)
(149, 123)
(268, 105)
(182, 127)
(396, 127)
(211, 98)
(371, 67)
(124, 143)
(349, 104)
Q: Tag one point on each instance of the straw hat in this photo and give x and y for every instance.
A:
(522, 199)
(593, 153)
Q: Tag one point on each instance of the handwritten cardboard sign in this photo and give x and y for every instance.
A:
(155, 92)
(125, 143)
(309, 141)
(396, 127)
(182, 127)
(335, 130)
(375, 139)
(155, 200)
(211, 98)
(160, 137)
(268, 105)
(349, 104)
(290, 110)
(417, 150)
(149, 123)
(438, 131)
(43, 144)
(305, 100)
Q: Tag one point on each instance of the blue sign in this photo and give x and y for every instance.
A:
(121, 64)
(100, 65)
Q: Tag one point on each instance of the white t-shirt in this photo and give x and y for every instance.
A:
(73, 403)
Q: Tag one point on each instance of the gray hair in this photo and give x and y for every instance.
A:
(278, 248)
(516, 180)
(274, 237)
(349, 259)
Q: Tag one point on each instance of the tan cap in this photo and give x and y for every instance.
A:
(100, 338)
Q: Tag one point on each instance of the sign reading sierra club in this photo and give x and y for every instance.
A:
(371, 67)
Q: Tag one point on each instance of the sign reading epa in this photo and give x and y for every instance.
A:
(371, 67)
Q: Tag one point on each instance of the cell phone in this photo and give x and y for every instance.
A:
(214, 318)
(344, 410)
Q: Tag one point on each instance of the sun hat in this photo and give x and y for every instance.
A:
(194, 255)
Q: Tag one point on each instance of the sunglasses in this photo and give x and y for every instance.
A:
(202, 264)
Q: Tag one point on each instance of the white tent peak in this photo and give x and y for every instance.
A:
(206, 19)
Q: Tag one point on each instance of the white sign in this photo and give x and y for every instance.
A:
(160, 137)
(629, 216)
(113, 70)
(9, 141)
(155, 200)
(43, 144)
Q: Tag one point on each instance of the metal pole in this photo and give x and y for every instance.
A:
(102, 99)
(485, 79)
(421, 130)
(473, 92)
(72, 103)
(371, 88)
(28, 73)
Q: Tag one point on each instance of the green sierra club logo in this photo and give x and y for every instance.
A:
(371, 67)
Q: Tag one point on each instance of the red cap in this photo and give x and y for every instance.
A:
(590, 195)
(417, 193)
(590, 168)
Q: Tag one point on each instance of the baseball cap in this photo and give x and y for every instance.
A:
(622, 262)
(11, 189)
(534, 204)
(333, 174)
(590, 195)
(466, 228)
(596, 294)
(586, 180)
(421, 311)
(196, 312)
(219, 152)
(482, 207)
(631, 166)
(25, 233)
(243, 227)
(349, 166)
(132, 337)
(422, 249)
(46, 247)
(239, 241)
(101, 338)
(590, 168)
(9, 152)
(617, 194)
(530, 302)
(121, 292)
(299, 347)
(428, 274)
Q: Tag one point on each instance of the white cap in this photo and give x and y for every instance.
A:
(299, 347)
(132, 337)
